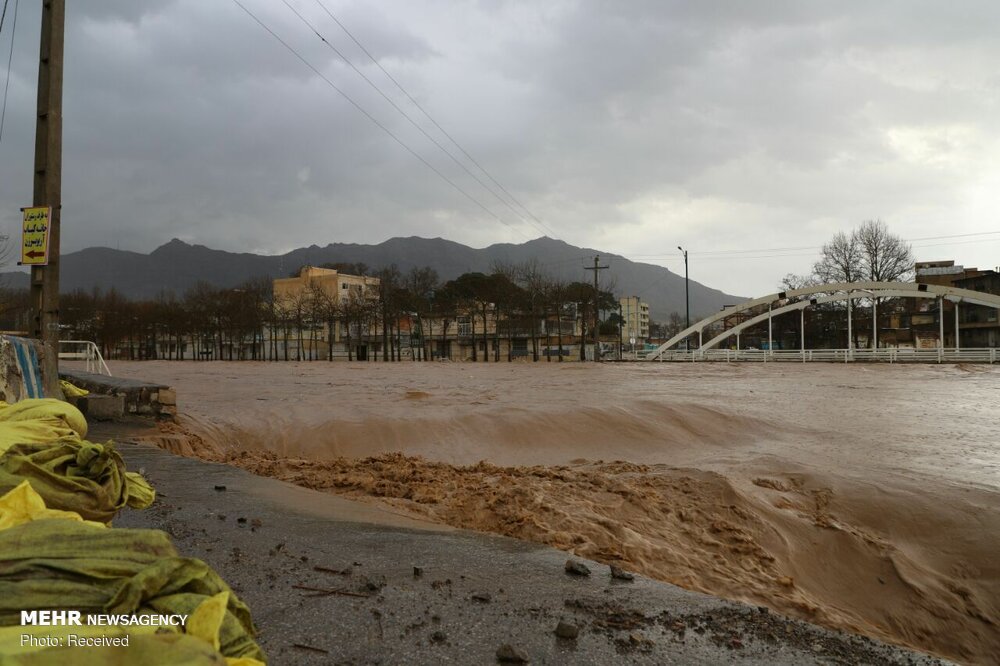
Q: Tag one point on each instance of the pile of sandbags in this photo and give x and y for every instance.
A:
(42, 440)
(58, 553)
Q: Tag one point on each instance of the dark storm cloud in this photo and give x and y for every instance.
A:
(632, 126)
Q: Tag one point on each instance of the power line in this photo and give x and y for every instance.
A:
(404, 114)
(967, 242)
(431, 118)
(3, 15)
(374, 120)
(978, 233)
(10, 58)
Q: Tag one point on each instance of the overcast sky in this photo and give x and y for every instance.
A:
(629, 126)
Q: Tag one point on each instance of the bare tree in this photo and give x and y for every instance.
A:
(870, 252)
(842, 259)
(791, 281)
(555, 297)
(421, 283)
(538, 287)
(885, 256)
(389, 281)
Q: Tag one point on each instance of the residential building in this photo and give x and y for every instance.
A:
(333, 284)
(320, 302)
(635, 319)
(977, 325)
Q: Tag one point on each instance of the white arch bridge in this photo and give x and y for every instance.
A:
(750, 313)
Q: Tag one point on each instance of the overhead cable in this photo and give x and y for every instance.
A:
(431, 118)
(371, 118)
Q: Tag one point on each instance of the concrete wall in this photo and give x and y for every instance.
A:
(28, 369)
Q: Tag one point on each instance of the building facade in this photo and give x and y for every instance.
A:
(977, 326)
(635, 319)
(332, 314)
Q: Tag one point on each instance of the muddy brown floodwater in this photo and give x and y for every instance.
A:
(857, 497)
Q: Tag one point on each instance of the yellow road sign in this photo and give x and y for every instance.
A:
(35, 236)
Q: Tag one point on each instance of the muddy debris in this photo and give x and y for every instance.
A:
(373, 583)
(609, 615)
(567, 630)
(508, 654)
(620, 574)
(482, 597)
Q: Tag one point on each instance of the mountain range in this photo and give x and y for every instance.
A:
(178, 266)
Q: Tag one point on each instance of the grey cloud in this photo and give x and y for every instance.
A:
(710, 124)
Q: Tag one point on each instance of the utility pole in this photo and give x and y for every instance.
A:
(597, 268)
(687, 297)
(48, 171)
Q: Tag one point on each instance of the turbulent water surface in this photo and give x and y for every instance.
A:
(859, 497)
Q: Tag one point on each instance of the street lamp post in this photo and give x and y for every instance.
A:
(687, 297)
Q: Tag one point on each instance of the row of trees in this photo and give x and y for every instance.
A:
(249, 322)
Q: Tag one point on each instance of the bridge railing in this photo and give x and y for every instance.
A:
(881, 355)
(86, 351)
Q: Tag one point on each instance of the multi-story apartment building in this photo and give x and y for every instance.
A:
(635, 319)
(330, 311)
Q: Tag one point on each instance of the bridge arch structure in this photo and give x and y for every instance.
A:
(800, 299)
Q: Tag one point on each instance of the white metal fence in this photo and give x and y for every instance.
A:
(882, 355)
(86, 351)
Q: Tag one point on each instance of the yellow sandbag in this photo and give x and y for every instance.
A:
(140, 493)
(42, 441)
(70, 565)
(40, 420)
(75, 475)
(71, 390)
(206, 621)
(23, 504)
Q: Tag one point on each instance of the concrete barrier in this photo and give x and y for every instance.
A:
(28, 369)
(137, 397)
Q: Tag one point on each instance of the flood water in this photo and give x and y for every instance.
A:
(862, 497)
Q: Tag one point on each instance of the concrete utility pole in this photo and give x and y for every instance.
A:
(48, 171)
(687, 296)
(597, 268)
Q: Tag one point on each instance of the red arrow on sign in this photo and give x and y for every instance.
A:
(34, 254)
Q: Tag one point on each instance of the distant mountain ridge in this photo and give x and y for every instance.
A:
(178, 266)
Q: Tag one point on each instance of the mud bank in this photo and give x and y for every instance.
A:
(856, 498)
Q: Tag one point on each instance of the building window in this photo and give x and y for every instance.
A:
(464, 326)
